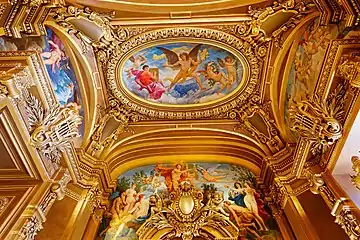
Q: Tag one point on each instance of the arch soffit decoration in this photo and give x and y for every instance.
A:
(85, 80)
(281, 73)
(169, 146)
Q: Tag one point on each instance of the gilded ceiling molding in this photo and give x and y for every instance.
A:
(26, 18)
(119, 112)
(355, 179)
(52, 129)
(256, 33)
(344, 211)
(349, 69)
(333, 11)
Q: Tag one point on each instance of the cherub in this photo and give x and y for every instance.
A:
(230, 65)
(219, 77)
(53, 57)
(188, 62)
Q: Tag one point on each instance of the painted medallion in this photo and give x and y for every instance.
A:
(182, 73)
(140, 191)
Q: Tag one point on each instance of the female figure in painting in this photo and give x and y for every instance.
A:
(246, 198)
(130, 199)
(141, 207)
(236, 194)
(251, 204)
(147, 80)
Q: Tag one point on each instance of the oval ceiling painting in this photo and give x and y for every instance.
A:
(182, 73)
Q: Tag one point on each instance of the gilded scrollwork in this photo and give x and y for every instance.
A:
(355, 179)
(349, 69)
(319, 121)
(31, 228)
(52, 129)
(253, 31)
(186, 217)
(122, 115)
(346, 219)
(252, 110)
(104, 37)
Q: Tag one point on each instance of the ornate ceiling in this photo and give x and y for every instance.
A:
(272, 88)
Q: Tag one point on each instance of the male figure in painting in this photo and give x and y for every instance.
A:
(176, 175)
(147, 80)
(187, 69)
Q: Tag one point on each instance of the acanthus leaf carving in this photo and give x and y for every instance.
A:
(52, 129)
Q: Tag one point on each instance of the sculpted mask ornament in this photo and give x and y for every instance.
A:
(53, 130)
(319, 121)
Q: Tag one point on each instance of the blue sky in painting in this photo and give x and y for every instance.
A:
(213, 168)
(187, 92)
(62, 75)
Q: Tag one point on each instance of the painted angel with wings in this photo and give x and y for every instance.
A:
(188, 62)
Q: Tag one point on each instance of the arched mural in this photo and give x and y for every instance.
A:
(182, 73)
(306, 64)
(143, 192)
(58, 66)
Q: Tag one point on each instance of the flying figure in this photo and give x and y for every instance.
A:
(187, 62)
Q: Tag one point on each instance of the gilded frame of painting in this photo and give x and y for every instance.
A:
(241, 49)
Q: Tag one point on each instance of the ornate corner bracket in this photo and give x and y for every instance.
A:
(349, 69)
(255, 31)
(100, 34)
(247, 113)
(122, 114)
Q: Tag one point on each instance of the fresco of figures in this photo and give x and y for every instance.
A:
(57, 64)
(182, 73)
(143, 191)
(307, 62)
